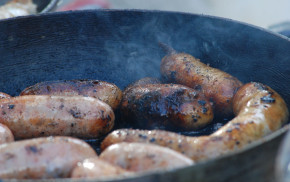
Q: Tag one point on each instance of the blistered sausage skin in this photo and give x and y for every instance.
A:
(171, 106)
(6, 135)
(34, 116)
(48, 157)
(140, 157)
(3, 95)
(217, 85)
(98, 169)
(259, 111)
(106, 92)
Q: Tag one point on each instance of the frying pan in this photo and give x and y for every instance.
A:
(121, 46)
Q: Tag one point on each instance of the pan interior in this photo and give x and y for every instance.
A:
(122, 46)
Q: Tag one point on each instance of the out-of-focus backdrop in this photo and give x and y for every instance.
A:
(272, 14)
(263, 13)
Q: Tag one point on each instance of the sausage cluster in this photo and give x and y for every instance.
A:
(48, 118)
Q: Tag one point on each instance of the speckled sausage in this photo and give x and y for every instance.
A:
(145, 81)
(3, 95)
(140, 157)
(34, 116)
(51, 157)
(6, 135)
(217, 85)
(259, 111)
(106, 92)
(98, 169)
(171, 106)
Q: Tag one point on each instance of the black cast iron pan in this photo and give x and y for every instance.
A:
(121, 46)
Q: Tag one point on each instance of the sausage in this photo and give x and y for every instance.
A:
(98, 169)
(138, 157)
(145, 81)
(217, 85)
(170, 106)
(6, 135)
(46, 157)
(259, 111)
(39, 115)
(106, 92)
(3, 95)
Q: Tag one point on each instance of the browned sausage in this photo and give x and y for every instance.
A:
(259, 112)
(106, 92)
(217, 85)
(6, 135)
(98, 169)
(51, 157)
(140, 157)
(170, 106)
(39, 115)
(145, 81)
(3, 95)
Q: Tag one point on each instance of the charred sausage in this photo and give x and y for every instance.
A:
(106, 92)
(144, 81)
(138, 157)
(6, 135)
(51, 157)
(259, 111)
(217, 85)
(170, 106)
(98, 169)
(3, 95)
(35, 116)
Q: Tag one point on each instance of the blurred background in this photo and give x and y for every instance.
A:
(272, 14)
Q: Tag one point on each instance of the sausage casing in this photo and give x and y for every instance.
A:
(6, 135)
(35, 116)
(140, 157)
(259, 111)
(218, 86)
(3, 95)
(106, 92)
(48, 157)
(98, 169)
(170, 106)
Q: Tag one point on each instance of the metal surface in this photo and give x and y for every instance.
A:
(122, 46)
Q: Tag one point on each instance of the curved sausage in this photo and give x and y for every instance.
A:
(217, 85)
(145, 81)
(106, 92)
(35, 116)
(170, 106)
(51, 157)
(98, 169)
(6, 135)
(259, 112)
(3, 95)
(140, 157)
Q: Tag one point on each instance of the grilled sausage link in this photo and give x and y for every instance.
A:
(217, 85)
(6, 135)
(106, 92)
(144, 81)
(35, 116)
(3, 95)
(170, 106)
(140, 157)
(51, 157)
(98, 169)
(259, 112)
